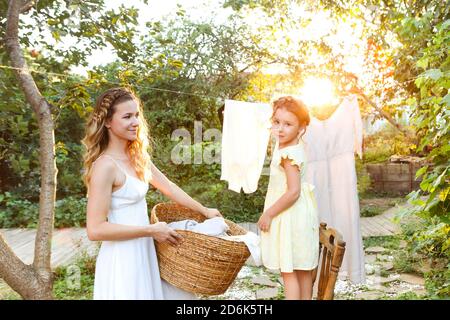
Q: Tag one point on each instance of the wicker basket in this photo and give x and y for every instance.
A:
(201, 264)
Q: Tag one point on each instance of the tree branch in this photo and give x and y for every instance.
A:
(384, 114)
(27, 6)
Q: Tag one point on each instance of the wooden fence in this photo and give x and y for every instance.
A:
(394, 177)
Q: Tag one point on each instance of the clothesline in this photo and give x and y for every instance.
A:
(149, 87)
(112, 82)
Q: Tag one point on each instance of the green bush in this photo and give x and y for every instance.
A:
(428, 243)
(16, 212)
(19, 213)
(437, 283)
(371, 211)
(379, 146)
(363, 178)
(70, 212)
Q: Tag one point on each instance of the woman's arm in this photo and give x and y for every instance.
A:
(175, 193)
(287, 199)
(99, 199)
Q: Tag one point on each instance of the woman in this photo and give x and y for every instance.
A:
(117, 172)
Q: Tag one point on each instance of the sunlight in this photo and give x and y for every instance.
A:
(318, 92)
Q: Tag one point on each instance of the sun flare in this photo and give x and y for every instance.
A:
(318, 92)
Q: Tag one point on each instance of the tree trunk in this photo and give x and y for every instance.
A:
(32, 281)
(20, 277)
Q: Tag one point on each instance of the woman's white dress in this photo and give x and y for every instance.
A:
(128, 269)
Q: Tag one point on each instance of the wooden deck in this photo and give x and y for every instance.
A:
(70, 242)
(381, 225)
(66, 245)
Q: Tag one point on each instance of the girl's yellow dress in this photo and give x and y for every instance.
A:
(292, 242)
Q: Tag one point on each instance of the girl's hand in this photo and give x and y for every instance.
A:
(264, 222)
(211, 213)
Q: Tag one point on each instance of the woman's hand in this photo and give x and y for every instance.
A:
(174, 193)
(264, 222)
(211, 213)
(161, 232)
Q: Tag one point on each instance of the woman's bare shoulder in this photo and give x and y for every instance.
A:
(104, 168)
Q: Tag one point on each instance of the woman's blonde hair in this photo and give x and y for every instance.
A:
(96, 138)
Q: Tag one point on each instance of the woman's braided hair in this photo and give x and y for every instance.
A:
(96, 138)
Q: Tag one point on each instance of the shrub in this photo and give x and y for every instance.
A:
(18, 213)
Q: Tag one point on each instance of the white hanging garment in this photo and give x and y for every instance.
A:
(245, 136)
(330, 148)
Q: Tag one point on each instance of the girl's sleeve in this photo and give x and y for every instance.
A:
(295, 155)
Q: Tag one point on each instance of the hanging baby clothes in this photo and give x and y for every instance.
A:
(245, 136)
(330, 148)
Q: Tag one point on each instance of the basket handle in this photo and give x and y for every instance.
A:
(153, 217)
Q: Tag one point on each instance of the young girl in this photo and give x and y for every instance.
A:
(117, 172)
(289, 224)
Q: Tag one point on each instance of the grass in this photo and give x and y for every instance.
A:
(371, 211)
(6, 293)
(372, 194)
(76, 281)
(72, 282)
(388, 242)
(408, 261)
(373, 204)
(410, 295)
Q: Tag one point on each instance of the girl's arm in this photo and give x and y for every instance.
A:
(287, 199)
(99, 199)
(175, 193)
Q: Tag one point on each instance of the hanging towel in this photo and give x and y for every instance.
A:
(245, 136)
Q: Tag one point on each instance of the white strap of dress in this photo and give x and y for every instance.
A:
(117, 164)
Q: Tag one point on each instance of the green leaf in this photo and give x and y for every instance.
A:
(445, 25)
(442, 195)
(56, 36)
(437, 182)
(434, 74)
(52, 22)
(446, 100)
(417, 202)
(421, 171)
(422, 63)
(424, 185)
(445, 219)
